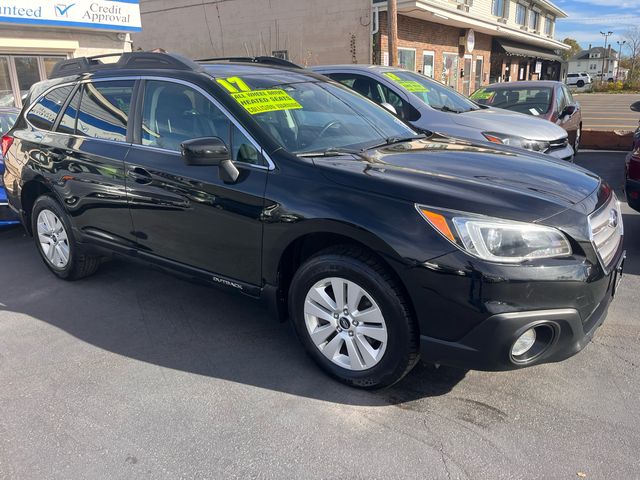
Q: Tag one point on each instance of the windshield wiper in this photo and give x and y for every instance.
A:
(393, 140)
(335, 151)
(452, 110)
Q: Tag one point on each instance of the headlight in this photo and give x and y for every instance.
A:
(520, 142)
(497, 240)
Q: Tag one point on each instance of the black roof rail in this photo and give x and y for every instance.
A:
(260, 59)
(130, 60)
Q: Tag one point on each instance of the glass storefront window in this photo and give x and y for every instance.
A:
(6, 91)
(19, 72)
(27, 72)
(49, 62)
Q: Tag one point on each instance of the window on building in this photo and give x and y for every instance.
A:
(427, 63)
(548, 26)
(521, 14)
(498, 7)
(450, 69)
(407, 58)
(104, 110)
(534, 18)
(7, 98)
(44, 113)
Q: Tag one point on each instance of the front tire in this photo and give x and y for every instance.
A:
(56, 244)
(580, 83)
(353, 319)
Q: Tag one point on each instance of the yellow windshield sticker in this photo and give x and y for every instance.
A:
(260, 101)
(482, 94)
(412, 86)
(234, 84)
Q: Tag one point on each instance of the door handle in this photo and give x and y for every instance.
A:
(139, 175)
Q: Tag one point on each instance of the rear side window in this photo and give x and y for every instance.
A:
(104, 110)
(68, 121)
(44, 113)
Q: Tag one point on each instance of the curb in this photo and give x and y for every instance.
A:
(607, 140)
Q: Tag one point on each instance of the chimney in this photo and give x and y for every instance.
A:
(589, 47)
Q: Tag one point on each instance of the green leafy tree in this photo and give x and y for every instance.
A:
(574, 50)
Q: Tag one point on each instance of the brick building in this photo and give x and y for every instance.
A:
(464, 43)
(469, 43)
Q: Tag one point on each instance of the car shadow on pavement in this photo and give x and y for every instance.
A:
(150, 316)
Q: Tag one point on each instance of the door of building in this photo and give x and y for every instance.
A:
(479, 72)
(466, 79)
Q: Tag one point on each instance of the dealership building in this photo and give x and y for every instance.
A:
(463, 43)
(35, 34)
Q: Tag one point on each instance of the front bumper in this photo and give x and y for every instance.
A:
(7, 216)
(565, 153)
(488, 345)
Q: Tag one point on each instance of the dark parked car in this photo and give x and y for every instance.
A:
(632, 184)
(429, 105)
(8, 117)
(543, 99)
(379, 244)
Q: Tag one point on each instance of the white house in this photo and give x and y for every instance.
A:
(593, 60)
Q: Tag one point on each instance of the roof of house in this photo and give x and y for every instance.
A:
(584, 54)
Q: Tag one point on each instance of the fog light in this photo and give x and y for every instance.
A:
(524, 343)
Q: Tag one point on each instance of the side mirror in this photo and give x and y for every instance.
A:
(210, 152)
(568, 111)
(389, 107)
(635, 106)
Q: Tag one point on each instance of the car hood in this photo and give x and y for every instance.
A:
(498, 120)
(472, 177)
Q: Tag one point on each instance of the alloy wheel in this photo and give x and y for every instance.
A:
(53, 239)
(345, 323)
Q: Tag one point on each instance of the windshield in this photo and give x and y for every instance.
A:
(532, 101)
(434, 94)
(312, 116)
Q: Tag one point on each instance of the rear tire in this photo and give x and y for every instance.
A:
(56, 244)
(365, 336)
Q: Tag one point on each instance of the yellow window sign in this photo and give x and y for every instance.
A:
(412, 86)
(482, 95)
(234, 84)
(260, 101)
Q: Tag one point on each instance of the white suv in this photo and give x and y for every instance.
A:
(578, 79)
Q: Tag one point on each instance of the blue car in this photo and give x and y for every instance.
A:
(8, 117)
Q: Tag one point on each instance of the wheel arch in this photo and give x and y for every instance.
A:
(29, 193)
(303, 245)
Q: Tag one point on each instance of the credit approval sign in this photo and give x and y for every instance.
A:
(118, 15)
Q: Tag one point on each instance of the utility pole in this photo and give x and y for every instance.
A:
(620, 44)
(392, 14)
(604, 54)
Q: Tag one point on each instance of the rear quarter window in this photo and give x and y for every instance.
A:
(104, 110)
(44, 113)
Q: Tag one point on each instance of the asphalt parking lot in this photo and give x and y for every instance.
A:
(133, 373)
(605, 111)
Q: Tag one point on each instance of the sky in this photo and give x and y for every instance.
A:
(588, 17)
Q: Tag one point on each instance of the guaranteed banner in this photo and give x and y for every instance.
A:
(119, 15)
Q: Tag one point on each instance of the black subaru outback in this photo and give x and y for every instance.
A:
(380, 245)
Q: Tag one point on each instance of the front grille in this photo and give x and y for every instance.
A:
(560, 143)
(606, 230)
